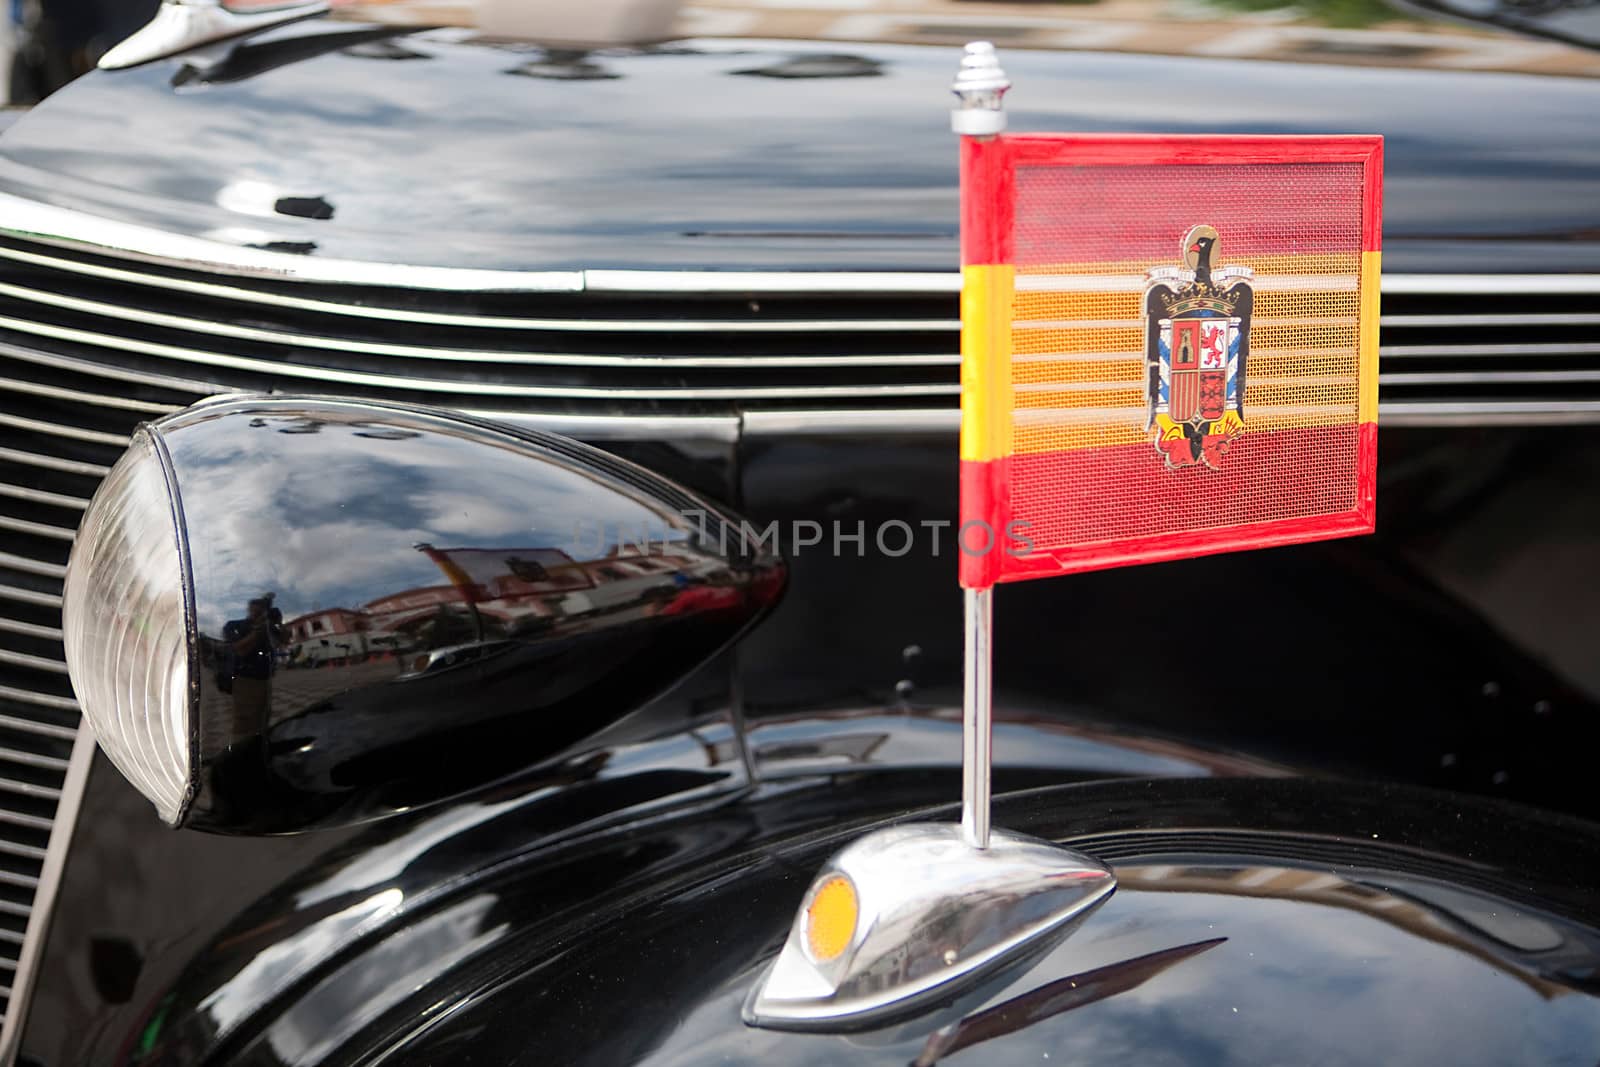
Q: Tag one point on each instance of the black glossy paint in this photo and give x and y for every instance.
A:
(679, 159)
(1255, 921)
(1287, 922)
(395, 606)
(1446, 650)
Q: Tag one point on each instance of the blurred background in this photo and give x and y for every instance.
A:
(46, 43)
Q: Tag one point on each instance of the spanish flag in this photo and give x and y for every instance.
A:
(1169, 347)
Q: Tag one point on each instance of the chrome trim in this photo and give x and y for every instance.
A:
(1533, 319)
(29, 629)
(1490, 413)
(37, 529)
(435, 385)
(379, 348)
(29, 596)
(33, 221)
(40, 496)
(850, 423)
(723, 429)
(55, 392)
(932, 916)
(33, 663)
(39, 699)
(182, 25)
(55, 463)
(754, 283)
(109, 370)
(65, 228)
(1497, 377)
(59, 430)
(439, 318)
(977, 717)
(33, 566)
(1489, 284)
(1546, 349)
(44, 899)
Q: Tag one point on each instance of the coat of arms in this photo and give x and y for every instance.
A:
(1197, 341)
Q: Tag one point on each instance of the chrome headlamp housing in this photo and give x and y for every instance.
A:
(255, 583)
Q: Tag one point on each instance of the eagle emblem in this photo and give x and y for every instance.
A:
(1197, 342)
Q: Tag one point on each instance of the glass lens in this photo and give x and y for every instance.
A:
(124, 630)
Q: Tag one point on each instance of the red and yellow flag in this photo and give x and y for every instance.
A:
(1169, 347)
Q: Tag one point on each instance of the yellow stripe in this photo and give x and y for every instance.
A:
(1371, 271)
(1063, 307)
(986, 361)
(1277, 263)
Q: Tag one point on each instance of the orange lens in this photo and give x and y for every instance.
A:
(831, 918)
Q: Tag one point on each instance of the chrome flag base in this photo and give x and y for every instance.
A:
(908, 916)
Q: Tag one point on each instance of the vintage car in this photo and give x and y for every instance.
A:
(406, 312)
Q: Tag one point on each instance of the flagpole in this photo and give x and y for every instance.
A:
(977, 719)
(980, 87)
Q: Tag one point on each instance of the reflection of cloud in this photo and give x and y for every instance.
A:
(510, 175)
(329, 519)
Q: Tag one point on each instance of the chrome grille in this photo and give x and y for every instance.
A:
(91, 344)
(1453, 348)
(1491, 355)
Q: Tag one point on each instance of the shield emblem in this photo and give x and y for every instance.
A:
(1194, 358)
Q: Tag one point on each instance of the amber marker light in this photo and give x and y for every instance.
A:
(831, 919)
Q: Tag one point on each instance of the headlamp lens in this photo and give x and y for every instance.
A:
(124, 628)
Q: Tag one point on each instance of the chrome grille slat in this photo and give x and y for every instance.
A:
(55, 393)
(37, 529)
(29, 596)
(466, 388)
(1454, 351)
(477, 322)
(558, 359)
(38, 426)
(37, 663)
(28, 629)
(54, 463)
(43, 700)
(40, 496)
(30, 759)
(32, 566)
(28, 789)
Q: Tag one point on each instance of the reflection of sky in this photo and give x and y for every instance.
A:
(325, 526)
(1295, 983)
(926, 742)
(456, 163)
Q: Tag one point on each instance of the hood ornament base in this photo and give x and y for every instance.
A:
(181, 25)
(910, 916)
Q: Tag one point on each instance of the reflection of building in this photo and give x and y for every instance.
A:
(1366, 32)
(512, 587)
(1524, 944)
(489, 594)
(327, 622)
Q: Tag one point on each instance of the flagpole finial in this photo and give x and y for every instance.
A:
(980, 86)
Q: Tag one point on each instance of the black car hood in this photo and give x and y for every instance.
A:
(434, 148)
(1256, 921)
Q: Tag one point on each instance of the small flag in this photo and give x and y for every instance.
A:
(1169, 347)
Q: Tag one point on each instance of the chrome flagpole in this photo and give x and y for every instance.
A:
(977, 719)
(917, 914)
(980, 87)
